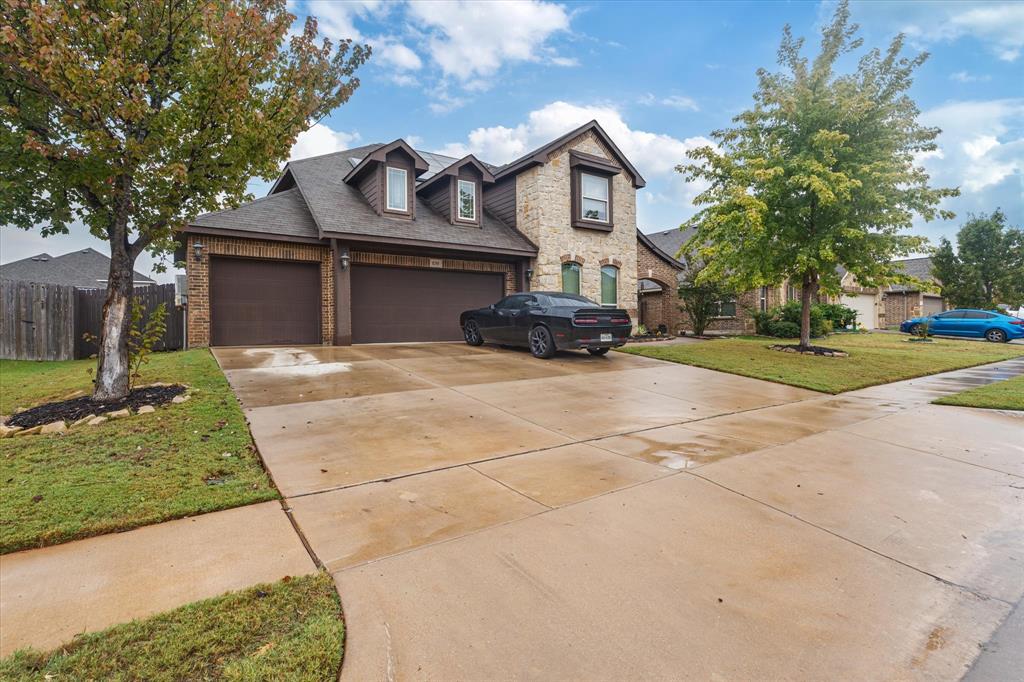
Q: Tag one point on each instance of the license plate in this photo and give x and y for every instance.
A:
(606, 338)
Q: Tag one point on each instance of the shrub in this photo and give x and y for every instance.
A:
(784, 321)
(783, 329)
(840, 315)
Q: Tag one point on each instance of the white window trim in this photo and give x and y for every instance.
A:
(405, 189)
(606, 200)
(458, 199)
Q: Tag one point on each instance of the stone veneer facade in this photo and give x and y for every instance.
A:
(544, 215)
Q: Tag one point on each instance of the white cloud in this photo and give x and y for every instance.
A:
(982, 143)
(321, 140)
(336, 20)
(999, 26)
(390, 52)
(472, 40)
(672, 101)
(966, 77)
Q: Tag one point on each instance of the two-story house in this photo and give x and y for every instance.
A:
(384, 243)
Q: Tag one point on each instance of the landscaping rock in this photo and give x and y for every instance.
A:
(54, 427)
(30, 432)
(83, 420)
(145, 409)
(178, 399)
(119, 413)
(96, 421)
(8, 431)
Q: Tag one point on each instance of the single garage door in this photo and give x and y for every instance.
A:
(402, 304)
(264, 302)
(933, 305)
(864, 304)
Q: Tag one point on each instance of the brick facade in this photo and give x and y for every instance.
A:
(544, 215)
(198, 273)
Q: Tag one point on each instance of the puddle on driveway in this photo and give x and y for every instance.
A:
(676, 447)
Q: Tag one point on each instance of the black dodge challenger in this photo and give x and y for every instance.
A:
(547, 321)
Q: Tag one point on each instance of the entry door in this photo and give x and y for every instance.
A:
(405, 304)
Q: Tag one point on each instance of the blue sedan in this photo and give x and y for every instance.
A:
(982, 324)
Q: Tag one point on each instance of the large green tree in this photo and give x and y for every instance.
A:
(133, 116)
(820, 172)
(987, 267)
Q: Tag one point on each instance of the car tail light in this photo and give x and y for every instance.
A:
(586, 320)
(620, 320)
(1019, 322)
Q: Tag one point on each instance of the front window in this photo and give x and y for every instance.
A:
(398, 194)
(609, 285)
(725, 308)
(467, 200)
(594, 197)
(571, 278)
(763, 302)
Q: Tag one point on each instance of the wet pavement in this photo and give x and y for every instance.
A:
(489, 515)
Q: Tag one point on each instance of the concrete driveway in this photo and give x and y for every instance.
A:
(488, 515)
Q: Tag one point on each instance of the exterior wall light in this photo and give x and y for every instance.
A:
(344, 261)
(197, 249)
(529, 273)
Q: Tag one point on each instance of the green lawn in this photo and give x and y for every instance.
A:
(181, 460)
(289, 630)
(1002, 395)
(874, 359)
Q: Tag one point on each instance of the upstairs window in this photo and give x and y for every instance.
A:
(594, 197)
(398, 190)
(609, 285)
(467, 200)
(571, 278)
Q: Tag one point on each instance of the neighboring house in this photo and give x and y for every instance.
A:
(84, 269)
(384, 243)
(876, 308)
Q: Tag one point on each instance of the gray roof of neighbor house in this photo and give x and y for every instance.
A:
(311, 200)
(671, 241)
(84, 269)
(921, 268)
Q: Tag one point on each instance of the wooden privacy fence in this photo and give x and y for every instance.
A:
(49, 321)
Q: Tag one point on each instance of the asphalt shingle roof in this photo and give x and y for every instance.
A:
(671, 241)
(85, 269)
(284, 213)
(921, 268)
(322, 202)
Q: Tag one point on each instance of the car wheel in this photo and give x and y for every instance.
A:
(996, 336)
(597, 351)
(472, 333)
(915, 329)
(541, 344)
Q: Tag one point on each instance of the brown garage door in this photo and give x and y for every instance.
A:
(401, 304)
(263, 302)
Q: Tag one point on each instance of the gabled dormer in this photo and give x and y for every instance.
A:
(387, 178)
(457, 191)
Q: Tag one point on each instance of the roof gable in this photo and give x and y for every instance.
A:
(453, 170)
(380, 154)
(540, 155)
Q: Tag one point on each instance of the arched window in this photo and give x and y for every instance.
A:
(571, 277)
(609, 285)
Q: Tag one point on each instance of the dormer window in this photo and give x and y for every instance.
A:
(397, 190)
(467, 200)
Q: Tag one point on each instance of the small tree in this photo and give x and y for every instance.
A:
(819, 173)
(700, 298)
(135, 116)
(987, 267)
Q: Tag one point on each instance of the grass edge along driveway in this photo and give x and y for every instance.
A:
(291, 629)
(1002, 395)
(875, 358)
(184, 459)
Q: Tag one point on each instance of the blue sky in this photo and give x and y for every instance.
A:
(498, 78)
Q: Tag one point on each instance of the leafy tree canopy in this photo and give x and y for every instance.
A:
(820, 172)
(987, 267)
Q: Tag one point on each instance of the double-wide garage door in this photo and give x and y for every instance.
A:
(264, 302)
(403, 304)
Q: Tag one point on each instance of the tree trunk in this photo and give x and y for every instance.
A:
(112, 370)
(807, 292)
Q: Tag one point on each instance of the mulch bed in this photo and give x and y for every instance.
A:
(810, 350)
(76, 408)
